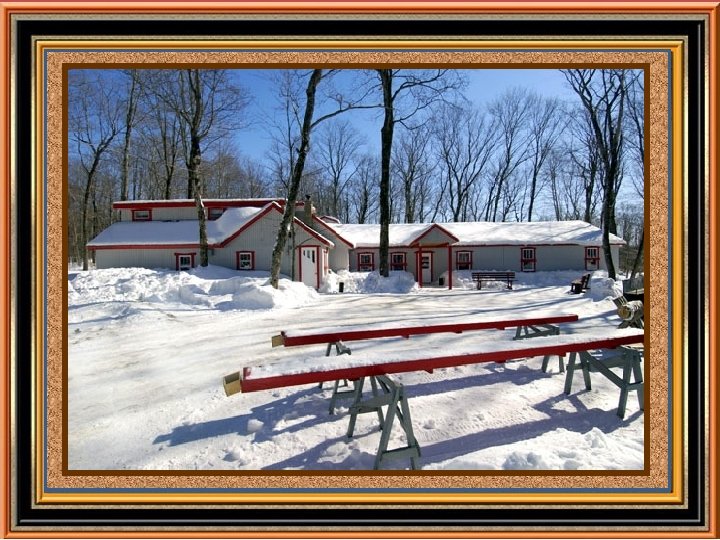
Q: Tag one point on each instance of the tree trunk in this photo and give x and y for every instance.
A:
(289, 211)
(386, 135)
(606, 237)
(89, 186)
(639, 255)
(128, 133)
(196, 182)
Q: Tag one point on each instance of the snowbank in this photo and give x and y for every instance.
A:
(369, 283)
(213, 287)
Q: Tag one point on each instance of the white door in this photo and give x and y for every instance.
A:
(426, 267)
(309, 266)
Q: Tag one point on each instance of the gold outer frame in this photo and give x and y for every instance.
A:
(709, 9)
(46, 48)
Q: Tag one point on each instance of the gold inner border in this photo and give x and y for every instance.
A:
(51, 63)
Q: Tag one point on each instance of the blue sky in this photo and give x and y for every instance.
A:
(484, 86)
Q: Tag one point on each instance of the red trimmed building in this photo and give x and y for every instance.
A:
(241, 235)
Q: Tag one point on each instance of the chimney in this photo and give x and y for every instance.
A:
(309, 211)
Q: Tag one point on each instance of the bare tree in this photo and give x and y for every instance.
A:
(130, 119)
(94, 111)
(511, 112)
(545, 128)
(309, 123)
(603, 94)
(207, 104)
(424, 88)
(412, 164)
(466, 140)
(161, 135)
(586, 162)
(636, 143)
(338, 145)
(364, 191)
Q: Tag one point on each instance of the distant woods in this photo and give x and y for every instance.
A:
(433, 151)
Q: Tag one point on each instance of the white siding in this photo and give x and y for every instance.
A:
(143, 258)
(435, 237)
(339, 256)
(163, 214)
(260, 238)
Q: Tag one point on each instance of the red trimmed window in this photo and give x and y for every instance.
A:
(592, 258)
(366, 262)
(463, 260)
(398, 261)
(215, 212)
(527, 259)
(184, 261)
(142, 215)
(245, 260)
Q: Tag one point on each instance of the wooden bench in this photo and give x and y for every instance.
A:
(507, 277)
(379, 365)
(577, 286)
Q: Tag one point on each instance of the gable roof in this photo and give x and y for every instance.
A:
(480, 233)
(185, 233)
(528, 233)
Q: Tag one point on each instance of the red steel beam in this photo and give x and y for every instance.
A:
(456, 328)
(248, 384)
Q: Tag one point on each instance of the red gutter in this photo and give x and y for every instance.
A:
(187, 203)
(145, 246)
(428, 364)
(457, 328)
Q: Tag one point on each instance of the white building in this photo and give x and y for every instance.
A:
(242, 232)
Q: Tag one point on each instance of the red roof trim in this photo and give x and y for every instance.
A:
(255, 218)
(146, 246)
(337, 234)
(430, 229)
(313, 232)
(272, 206)
(187, 203)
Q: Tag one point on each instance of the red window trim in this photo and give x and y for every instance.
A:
(148, 210)
(177, 259)
(361, 267)
(594, 260)
(458, 262)
(404, 260)
(523, 259)
(252, 260)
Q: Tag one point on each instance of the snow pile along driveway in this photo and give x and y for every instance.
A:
(148, 350)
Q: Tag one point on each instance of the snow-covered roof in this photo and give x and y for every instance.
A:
(480, 233)
(368, 235)
(536, 232)
(185, 232)
(140, 233)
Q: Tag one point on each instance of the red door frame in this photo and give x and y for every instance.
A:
(317, 262)
(418, 265)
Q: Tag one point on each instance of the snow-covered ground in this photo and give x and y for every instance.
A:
(148, 350)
